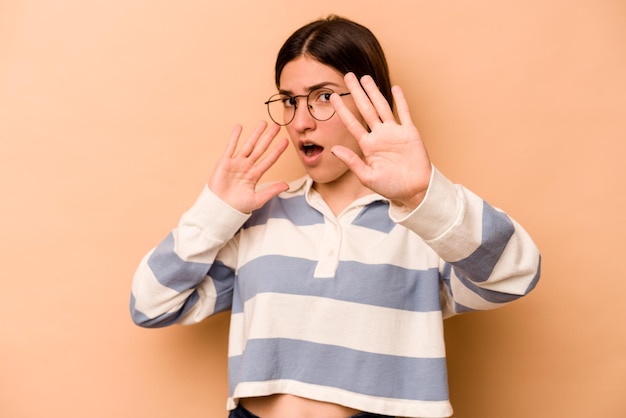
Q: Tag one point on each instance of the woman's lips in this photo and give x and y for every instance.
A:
(310, 152)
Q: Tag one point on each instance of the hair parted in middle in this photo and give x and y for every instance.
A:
(339, 43)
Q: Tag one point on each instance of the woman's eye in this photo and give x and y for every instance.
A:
(324, 97)
(289, 101)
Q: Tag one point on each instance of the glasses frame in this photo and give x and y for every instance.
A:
(273, 98)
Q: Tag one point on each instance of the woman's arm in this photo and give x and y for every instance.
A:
(488, 259)
(190, 274)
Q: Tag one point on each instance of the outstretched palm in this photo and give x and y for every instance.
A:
(395, 162)
(238, 172)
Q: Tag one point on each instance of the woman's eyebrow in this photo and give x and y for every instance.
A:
(311, 88)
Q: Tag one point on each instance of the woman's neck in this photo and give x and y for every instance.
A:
(339, 193)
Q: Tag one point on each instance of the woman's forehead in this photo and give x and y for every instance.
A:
(305, 74)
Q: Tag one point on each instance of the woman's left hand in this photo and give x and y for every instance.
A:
(395, 162)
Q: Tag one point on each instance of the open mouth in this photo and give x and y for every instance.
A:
(311, 150)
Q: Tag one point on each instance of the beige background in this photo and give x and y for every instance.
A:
(112, 114)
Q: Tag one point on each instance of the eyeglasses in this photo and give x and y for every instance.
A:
(282, 107)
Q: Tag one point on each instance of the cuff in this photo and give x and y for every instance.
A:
(213, 216)
(438, 212)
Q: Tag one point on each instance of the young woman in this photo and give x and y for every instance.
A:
(338, 282)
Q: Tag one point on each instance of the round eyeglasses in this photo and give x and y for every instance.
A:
(282, 107)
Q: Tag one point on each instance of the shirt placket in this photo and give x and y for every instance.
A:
(328, 260)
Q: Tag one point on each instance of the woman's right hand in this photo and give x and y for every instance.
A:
(238, 172)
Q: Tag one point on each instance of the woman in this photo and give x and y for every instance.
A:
(338, 283)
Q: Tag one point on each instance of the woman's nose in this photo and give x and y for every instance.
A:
(303, 119)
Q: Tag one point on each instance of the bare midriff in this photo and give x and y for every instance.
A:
(281, 406)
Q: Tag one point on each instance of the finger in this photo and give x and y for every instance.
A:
(250, 143)
(264, 142)
(270, 159)
(362, 100)
(231, 146)
(383, 109)
(352, 124)
(404, 115)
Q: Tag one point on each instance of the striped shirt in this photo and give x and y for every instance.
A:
(345, 309)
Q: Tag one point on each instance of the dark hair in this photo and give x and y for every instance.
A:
(342, 44)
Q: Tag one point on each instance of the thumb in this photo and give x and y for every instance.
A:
(270, 191)
(351, 159)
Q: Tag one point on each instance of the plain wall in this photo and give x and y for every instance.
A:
(112, 114)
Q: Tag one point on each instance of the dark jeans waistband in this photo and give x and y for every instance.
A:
(241, 412)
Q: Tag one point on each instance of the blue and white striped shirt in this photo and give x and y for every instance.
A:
(344, 309)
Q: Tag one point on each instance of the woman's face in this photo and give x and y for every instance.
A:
(312, 138)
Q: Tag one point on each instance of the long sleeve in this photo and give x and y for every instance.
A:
(488, 259)
(190, 274)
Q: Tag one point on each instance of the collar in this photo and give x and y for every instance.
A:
(304, 186)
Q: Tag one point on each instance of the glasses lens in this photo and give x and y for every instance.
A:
(319, 104)
(281, 108)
